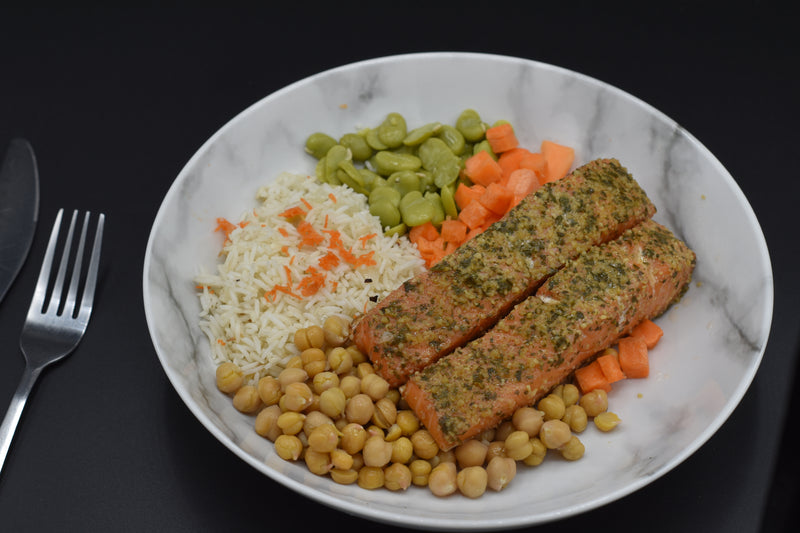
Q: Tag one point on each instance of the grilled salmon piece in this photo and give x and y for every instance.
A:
(469, 290)
(584, 308)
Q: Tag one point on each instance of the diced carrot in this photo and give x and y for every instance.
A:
(454, 231)
(522, 182)
(535, 161)
(496, 199)
(559, 159)
(465, 194)
(474, 215)
(501, 138)
(475, 231)
(509, 160)
(481, 168)
(609, 363)
(649, 331)
(633, 358)
(425, 231)
(591, 377)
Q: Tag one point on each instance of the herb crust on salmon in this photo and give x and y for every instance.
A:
(582, 309)
(468, 291)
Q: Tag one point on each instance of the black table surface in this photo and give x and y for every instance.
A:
(116, 101)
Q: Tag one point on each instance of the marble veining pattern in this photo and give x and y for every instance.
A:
(715, 336)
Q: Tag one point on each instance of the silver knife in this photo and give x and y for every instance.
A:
(19, 209)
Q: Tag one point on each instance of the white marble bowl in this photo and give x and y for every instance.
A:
(714, 338)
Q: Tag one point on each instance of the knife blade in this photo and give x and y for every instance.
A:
(19, 209)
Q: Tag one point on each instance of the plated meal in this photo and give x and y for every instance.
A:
(448, 305)
(515, 311)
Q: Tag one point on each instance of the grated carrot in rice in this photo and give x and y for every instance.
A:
(273, 279)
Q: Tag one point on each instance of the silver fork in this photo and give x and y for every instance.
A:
(55, 324)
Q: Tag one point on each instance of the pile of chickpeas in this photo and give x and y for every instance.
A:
(329, 408)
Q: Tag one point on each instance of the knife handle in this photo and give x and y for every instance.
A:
(14, 413)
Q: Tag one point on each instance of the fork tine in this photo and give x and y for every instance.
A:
(91, 275)
(55, 294)
(40, 291)
(72, 291)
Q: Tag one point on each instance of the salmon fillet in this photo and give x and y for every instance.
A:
(469, 290)
(582, 309)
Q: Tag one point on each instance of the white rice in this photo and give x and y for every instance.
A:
(244, 324)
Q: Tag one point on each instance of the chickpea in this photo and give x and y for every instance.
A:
(518, 445)
(424, 445)
(318, 463)
(314, 361)
(344, 477)
(496, 448)
(397, 476)
(393, 433)
(353, 438)
(393, 395)
(324, 381)
(385, 413)
(358, 461)
(247, 399)
(291, 375)
(570, 394)
(332, 402)
(471, 453)
(408, 421)
(552, 406)
(374, 386)
(288, 447)
(313, 405)
(442, 479)
(375, 431)
(472, 481)
(528, 419)
(359, 409)
(350, 385)
(448, 456)
(229, 377)
(500, 471)
(301, 341)
(370, 477)
(315, 336)
(341, 460)
(420, 470)
(554, 434)
(324, 438)
(340, 360)
(505, 429)
(294, 362)
(486, 436)
(356, 355)
(575, 417)
(336, 330)
(538, 454)
(402, 450)
(594, 402)
(269, 389)
(606, 421)
(313, 420)
(377, 452)
(266, 423)
(291, 422)
(364, 369)
(297, 396)
(573, 449)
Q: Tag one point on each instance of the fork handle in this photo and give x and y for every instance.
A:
(14, 413)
